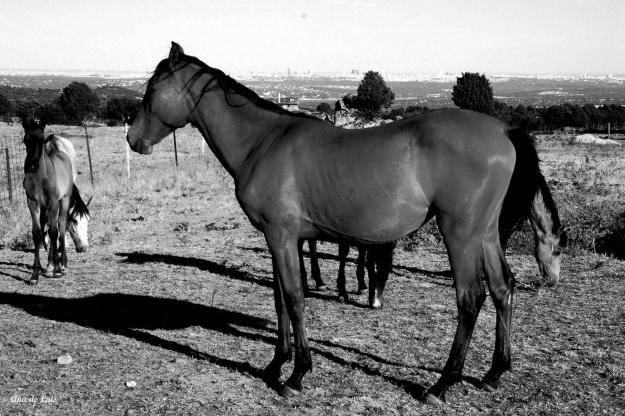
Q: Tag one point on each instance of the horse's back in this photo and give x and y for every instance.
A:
(59, 173)
(65, 146)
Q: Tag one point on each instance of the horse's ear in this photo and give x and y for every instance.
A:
(26, 120)
(563, 236)
(175, 53)
(42, 125)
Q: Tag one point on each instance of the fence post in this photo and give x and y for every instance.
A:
(127, 151)
(89, 155)
(10, 185)
(175, 149)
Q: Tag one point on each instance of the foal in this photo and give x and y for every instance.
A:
(50, 189)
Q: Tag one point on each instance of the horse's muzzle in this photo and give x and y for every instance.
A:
(139, 146)
(31, 166)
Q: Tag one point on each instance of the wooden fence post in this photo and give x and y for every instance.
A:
(89, 155)
(9, 184)
(175, 149)
(127, 151)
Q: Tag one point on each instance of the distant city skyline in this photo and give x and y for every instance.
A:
(572, 37)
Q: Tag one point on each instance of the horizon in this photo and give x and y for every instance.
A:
(430, 36)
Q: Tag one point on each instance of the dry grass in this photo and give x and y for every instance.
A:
(175, 294)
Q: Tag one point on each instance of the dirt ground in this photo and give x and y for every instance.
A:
(175, 296)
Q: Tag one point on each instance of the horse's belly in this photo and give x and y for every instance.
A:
(375, 217)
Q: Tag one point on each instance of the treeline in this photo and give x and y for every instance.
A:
(75, 104)
(586, 117)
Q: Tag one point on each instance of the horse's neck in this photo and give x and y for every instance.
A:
(234, 131)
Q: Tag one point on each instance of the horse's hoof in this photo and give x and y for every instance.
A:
(287, 392)
(362, 291)
(488, 386)
(322, 288)
(343, 299)
(433, 400)
(32, 282)
(58, 274)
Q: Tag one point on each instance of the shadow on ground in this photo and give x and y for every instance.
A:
(131, 315)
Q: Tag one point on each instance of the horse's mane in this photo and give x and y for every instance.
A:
(77, 206)
(220, 80)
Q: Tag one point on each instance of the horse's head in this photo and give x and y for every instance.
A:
(33, 139)
(78, 222)
(549, 256)
(165, 106)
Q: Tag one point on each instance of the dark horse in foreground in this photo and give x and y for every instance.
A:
(300, 178)
(53, 198)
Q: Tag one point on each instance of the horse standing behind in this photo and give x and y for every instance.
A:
(50, 189)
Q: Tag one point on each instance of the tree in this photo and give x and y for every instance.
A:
(78, 102)
(373, 94)
(473, 92)
(5, 105)
(122, 108)
(51, 113)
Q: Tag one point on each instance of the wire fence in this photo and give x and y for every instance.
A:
(12, 155)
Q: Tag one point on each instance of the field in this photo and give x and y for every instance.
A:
(175, 296)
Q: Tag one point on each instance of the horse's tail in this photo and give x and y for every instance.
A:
(529, 197)
(527, 187)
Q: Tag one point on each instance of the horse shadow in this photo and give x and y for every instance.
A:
(18, 267)
(132, 315)
(230, 271)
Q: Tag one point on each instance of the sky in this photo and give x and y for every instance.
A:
(407, 36)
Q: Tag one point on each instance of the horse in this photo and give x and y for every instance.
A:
(377, 259)
(299, 178)
(52, 199)
(542, 216)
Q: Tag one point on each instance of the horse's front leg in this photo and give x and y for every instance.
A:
(37, 233)
(283, 351)
(360, 269)
(283, 247)
(340, 280)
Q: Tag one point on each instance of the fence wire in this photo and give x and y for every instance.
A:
(12, 155)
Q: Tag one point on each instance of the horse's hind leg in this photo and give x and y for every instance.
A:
(501, 286)
(314, 265)
(63, 209)
(37, 233)
(53, 232)
(465, 255)
(340, 280)
(360, 269)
